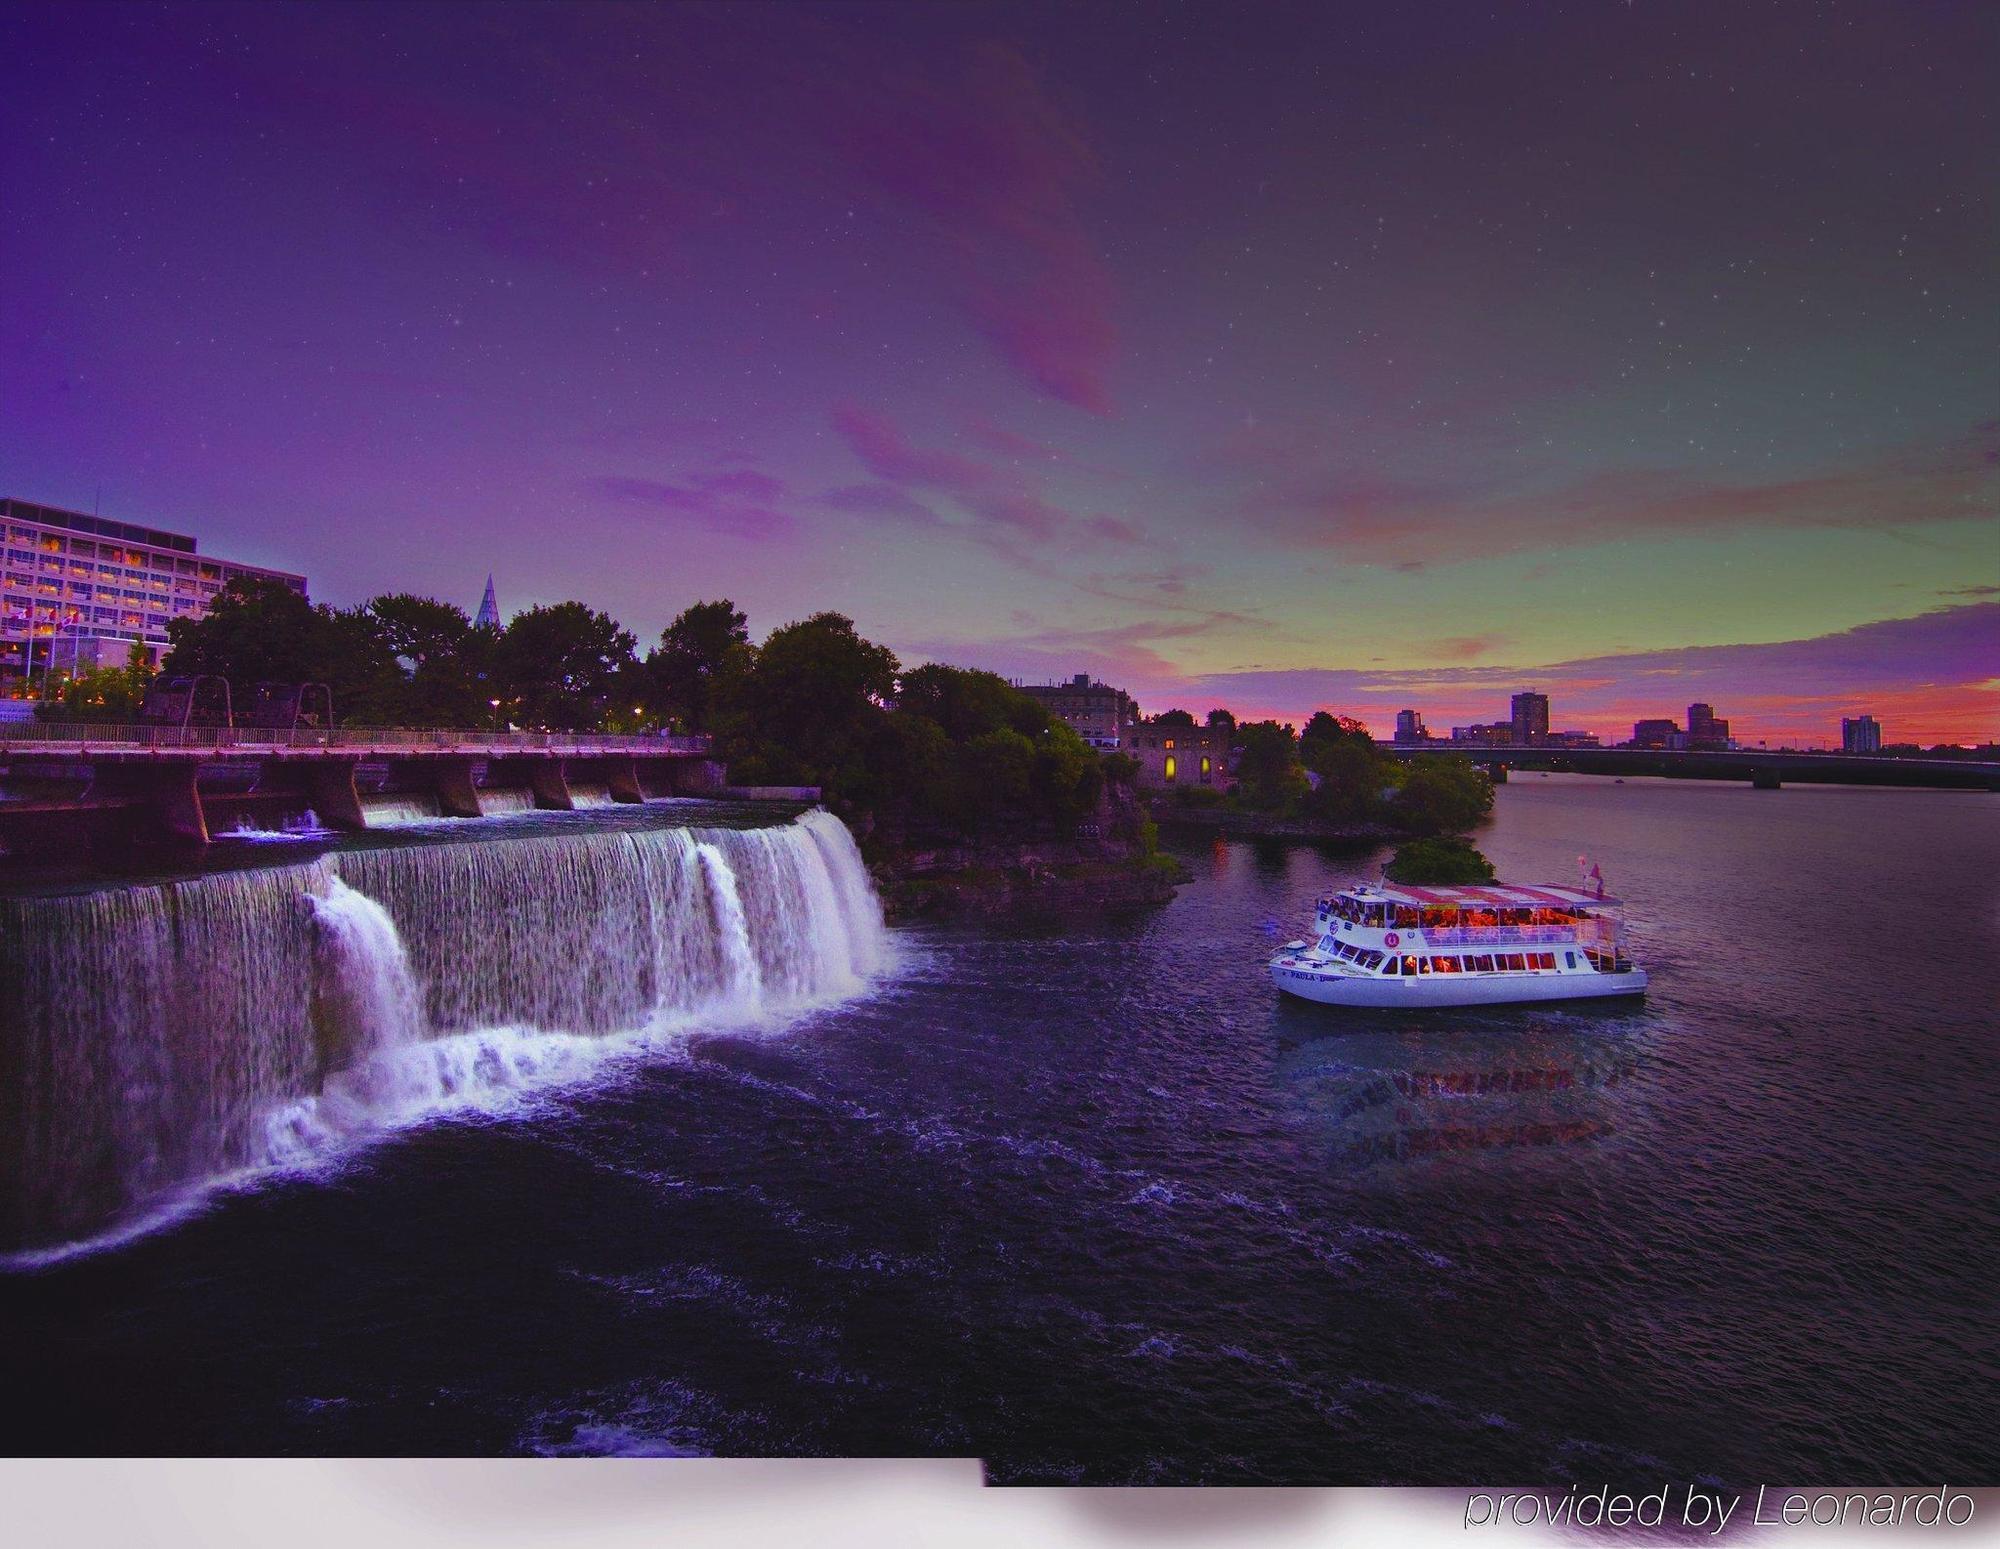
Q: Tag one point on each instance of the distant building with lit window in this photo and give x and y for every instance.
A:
(1860, 734)
(1529, 718)
(1174, 755)
(1410, 727)
(1486, 734)
(1098, 713)
(1658, 734)
(1705, 729)
(78, 592)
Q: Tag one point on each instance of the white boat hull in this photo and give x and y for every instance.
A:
(1429, 990)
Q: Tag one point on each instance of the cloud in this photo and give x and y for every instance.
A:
(998, 506)
(732, 504)
(999, 168)
(1930, 678)
(1318, 492)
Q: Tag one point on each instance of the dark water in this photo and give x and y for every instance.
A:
(1095, 1206)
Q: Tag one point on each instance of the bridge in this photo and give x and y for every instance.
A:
(71, 783)
(1764, 770)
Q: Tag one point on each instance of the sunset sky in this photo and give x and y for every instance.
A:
(1281, 357)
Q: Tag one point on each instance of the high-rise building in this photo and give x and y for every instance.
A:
(1860, 734)
(489, 609)
(1705, 728)
(1099, 714)
(1530, 718)
(1410, 727)
(1657, 734)
(79, 591)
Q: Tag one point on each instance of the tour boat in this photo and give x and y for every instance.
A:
(1391, 945)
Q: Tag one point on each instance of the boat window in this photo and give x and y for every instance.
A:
(1445, 965)
(1409, 966)
(1570, 958)
(1423, 965)
(1545, 960)
(1515, 962)
(1481, 964)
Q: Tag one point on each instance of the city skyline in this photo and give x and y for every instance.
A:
(1411, 363)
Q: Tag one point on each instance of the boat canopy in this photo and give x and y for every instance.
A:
(1490, 896)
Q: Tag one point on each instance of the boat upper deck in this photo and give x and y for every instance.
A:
(1492, 895)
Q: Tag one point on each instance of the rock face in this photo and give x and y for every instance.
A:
(1264, 825)
(1044, 878)
(1105, 864)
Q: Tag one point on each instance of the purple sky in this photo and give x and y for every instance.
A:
(1282, 357)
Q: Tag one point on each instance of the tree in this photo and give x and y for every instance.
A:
(421, 631)
(562, 667)
(1174, 719)
(1269, 777)
(102, 693)
(1326, 731)
(255, 630)
(258, 630)
(806, 707)
(1445, 862)
(967, 704)
(1442, 794)
(444, 664)
(1226, 723)
(681, 672)
(1352, 772)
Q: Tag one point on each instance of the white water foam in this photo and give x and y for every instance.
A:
(373, 990)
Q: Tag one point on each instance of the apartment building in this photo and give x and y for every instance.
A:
(78, 591)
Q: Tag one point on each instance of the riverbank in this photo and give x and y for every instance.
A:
(1233, 823)
(1002, 881)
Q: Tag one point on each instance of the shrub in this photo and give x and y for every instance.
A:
(1443, 862)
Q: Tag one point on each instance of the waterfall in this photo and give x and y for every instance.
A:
(741, 980)
(399, 811)
(156, 1038)
(365, 997)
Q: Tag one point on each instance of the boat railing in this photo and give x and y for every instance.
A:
(1500, 935)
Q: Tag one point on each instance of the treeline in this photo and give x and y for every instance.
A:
(814, 704)
(1332, 772)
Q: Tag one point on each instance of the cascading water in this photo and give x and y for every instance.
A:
(154, 1038)
(365, 999)
(741, 976)
(399, 811)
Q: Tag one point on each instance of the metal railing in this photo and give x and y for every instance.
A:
(1500, 935)
(84, 736)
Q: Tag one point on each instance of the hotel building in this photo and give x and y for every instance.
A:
(1100, 714)
(78, 592)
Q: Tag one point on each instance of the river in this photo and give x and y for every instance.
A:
(1090, 1203)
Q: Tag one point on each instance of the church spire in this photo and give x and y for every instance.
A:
(489, 609)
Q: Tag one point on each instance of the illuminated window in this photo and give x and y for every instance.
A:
(1170, 742)
(1172, 765)
(1204, 766)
